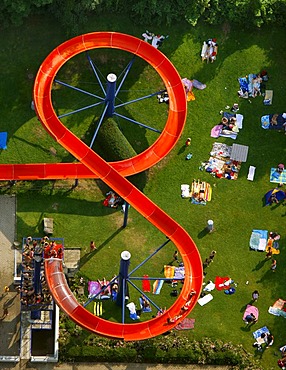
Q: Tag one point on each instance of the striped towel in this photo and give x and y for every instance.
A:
(97, 308)
(157, 286)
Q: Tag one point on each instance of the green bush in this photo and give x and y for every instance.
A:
(111, 143)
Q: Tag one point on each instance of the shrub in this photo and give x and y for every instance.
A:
(111, 143)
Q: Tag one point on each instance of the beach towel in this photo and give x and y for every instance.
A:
(169, 271)
(94, 288)
(276, 177)
(179, 273)
(186, 324)
(198, 85)
(146, 286)
(216, 130)
(222, 282)
(268, 97)
(97, 308)
(157, 286)
(3, 140)
(250, 309)
(278, 308)
(206, 299)
(257, 333)
(185, 191)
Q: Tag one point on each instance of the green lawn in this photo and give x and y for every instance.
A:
(236, 206)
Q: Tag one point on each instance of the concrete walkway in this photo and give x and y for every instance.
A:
(9, 301)
(111, 366)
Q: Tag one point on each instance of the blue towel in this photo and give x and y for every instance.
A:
(3, 140)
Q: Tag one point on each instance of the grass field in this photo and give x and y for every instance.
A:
(236, 206)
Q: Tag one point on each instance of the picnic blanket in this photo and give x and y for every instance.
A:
(247, 85)
(222, 282)
(157, 286)
(250, 309)
(273, 121)
(146, 286)
(258, 240)
(276, 177)
(278, 308)
(218, 130)
(222, 167)
(185, 324)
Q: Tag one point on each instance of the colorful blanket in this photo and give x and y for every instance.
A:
(278, 308)
(157, 286)
(276, 177)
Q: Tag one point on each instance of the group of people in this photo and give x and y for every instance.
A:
(112, 200)
(229, 123)
(209, 50)
(34, 289)
(156, 40)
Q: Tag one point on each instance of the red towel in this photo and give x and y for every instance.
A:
(146, 286)
(219, 282)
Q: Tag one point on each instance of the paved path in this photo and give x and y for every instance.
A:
(111, 366)
(10, 324)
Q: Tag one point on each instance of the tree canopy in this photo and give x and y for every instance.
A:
(73, 13)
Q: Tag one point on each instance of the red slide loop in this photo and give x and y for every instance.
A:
(113, 175)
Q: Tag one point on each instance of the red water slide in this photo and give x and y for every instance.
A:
(91, 165)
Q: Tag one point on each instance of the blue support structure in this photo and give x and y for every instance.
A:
(122, 282)
(110, 94)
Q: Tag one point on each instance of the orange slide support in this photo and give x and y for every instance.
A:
(92, 165)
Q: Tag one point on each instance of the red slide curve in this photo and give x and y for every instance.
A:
(113, 175)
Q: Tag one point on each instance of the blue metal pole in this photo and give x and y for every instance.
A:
(122, 280)
(110, 94)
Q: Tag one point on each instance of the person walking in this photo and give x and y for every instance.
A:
(255, 295)
(175, 256)
(92, 246)
(273, 265)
